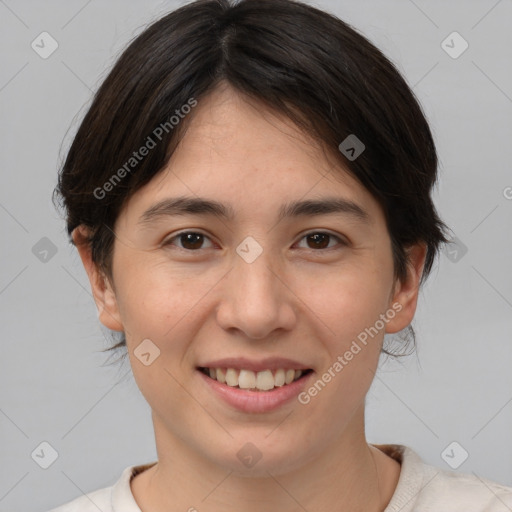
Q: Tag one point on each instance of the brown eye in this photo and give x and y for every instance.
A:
(320, 240)
(190, 240)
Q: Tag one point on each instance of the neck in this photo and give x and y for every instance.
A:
(351, 476)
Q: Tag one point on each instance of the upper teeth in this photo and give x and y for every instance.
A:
(247, 379)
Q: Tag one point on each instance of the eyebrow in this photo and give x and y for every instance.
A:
(201, 206)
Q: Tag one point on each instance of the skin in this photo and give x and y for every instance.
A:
(294, 300)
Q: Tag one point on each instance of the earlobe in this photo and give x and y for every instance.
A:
(102, 290)
(405, 296)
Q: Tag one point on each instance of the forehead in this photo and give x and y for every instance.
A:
(236, 151)
(231, 126)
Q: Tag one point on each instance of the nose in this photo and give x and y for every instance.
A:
(256, 299)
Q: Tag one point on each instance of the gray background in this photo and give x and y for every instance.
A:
(54, 384)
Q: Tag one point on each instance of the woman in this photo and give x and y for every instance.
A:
(250, 195)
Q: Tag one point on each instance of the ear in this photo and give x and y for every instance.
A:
(102, 289)
(405, 293)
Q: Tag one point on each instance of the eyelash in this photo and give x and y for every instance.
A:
(169, 241)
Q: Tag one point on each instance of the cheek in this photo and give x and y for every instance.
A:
(152, 293)
(351, 306)
(165, 310)
(165, 305)
(348, 302)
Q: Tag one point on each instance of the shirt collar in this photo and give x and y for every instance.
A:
(122, 499)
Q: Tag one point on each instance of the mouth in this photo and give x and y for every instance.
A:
(261, 381)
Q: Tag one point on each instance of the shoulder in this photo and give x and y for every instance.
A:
(463, 492)
(425, 488)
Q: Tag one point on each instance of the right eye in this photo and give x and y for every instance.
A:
(190, 240)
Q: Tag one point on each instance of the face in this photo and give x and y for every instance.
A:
(247, 289)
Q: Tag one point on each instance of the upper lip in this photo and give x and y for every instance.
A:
(242, 363)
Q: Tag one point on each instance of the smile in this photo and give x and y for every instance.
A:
(265, 380)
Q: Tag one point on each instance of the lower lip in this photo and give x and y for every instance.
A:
(256, 401)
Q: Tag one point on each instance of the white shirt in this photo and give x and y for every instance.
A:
(421, 488)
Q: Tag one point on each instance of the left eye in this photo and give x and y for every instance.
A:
(191, 241)
(319, 239)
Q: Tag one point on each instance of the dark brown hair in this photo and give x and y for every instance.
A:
(297, 60)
